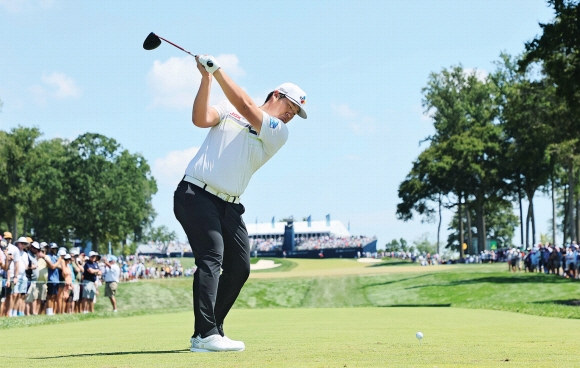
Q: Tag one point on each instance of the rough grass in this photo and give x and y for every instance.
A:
(465, 286)
(305, 337)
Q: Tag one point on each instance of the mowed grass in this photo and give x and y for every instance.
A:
(376, 285)
(306, 337)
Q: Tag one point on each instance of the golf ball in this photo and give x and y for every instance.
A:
(419, 335)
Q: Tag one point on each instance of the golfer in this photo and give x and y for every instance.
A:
(242, 138)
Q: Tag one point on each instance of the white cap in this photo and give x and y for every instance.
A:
(23, 239)
(53, 245)
(67, 256)
(294, 94)
(35, 245)
(75, 252)
(61, 251)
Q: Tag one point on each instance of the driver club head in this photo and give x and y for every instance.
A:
(151, 42)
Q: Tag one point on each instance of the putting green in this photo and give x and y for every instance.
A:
(322, 337)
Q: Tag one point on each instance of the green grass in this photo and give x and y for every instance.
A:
(465, 286)
(324, 313)
(304, 337)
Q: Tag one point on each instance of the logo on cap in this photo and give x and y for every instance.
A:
(302, 100)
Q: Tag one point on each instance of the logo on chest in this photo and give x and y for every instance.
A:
(236, 116)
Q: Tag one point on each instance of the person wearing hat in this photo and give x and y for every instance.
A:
(3, 267)
(67, 272)
(33, 294)
(20, 289)
(12, 269)
(53, 279)
(112, 275)
(242, 137)
(91, 271)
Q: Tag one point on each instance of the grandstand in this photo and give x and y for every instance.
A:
(300, 239)
(307, 239)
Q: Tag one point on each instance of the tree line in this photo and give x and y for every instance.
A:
(90, 189)
(502, 137)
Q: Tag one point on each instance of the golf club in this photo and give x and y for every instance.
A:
(153, 41)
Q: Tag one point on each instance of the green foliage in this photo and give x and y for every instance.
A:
(159, 234)
(558, 49)
(501, 224)
(397, 246)
(58, 191)
(423, 245)
(111, 189)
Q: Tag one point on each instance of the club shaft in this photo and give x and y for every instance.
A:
(179, 47)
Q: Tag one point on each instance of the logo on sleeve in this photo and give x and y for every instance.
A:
(274, 122)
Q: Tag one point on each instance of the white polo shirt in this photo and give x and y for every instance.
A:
(233, 150)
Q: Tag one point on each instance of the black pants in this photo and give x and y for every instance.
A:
(219, 240)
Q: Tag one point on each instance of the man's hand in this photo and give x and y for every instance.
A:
(209, 62)
(201, 68)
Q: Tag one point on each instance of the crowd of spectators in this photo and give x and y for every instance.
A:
(40, 278)
(310, 243)
(546, 258)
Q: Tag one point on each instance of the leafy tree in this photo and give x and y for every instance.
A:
(109, 189)
(18, 164)
(558, 51)
(527, 109)
(501, 224)
(160, 234)
(423, 245)
(395, 245)
(48, 211)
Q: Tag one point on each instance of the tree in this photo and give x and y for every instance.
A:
(501, 223)
(109, 189)
(19, 163)
(527, 109)
(160, 234)
(423, 245)
(464, 111)
(558, 48)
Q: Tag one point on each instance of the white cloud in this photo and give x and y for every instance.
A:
(22, 5)
(56, 85)
(480, 74)
(170, 169)
(359, 124)
(174, 83)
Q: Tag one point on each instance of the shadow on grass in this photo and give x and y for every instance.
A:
(113, 353)
(569, 302)
(524, 279)
(393, 263)
(395, 281)
(416, 305)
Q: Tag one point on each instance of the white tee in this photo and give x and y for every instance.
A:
(23, 259)
(113, 273)
(233, 150)
(16, 258)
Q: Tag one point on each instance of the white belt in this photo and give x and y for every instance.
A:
(207, 188)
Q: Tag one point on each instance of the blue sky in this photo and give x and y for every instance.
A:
(74, 67)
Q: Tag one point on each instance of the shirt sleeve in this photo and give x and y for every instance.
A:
(273, 134)
(223, 108)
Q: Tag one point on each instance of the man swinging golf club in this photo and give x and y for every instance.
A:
(243, 136)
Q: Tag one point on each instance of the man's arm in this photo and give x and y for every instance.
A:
(202, 116)
(49, 263)
(240, 99)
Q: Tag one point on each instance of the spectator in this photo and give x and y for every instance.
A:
(42, 279)
(91, 271)
(53, 279)
(67, 274)
(73, 302)
(32, 297)
(21, 284)
(112, 274)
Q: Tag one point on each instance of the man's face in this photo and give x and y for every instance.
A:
(283, 108)
(21, 245)
(52, 250)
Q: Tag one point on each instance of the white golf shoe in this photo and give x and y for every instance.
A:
(214, 343)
